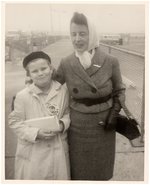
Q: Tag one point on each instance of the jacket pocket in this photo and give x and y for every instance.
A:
(65, 145)
(24, 150)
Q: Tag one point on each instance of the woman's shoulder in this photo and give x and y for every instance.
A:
(104, 54)
(67, 59)
(108, 57)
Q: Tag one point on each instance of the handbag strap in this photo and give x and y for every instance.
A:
(128, 113)
(126, 110)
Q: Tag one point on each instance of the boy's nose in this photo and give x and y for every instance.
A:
(40, 73)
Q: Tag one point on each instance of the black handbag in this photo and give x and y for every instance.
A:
(127, 125)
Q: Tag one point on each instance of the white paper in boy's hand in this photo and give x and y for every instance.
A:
(51, 123)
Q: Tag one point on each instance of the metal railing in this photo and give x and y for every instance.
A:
(132, 65)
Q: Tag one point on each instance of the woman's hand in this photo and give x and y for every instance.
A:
(111, 120)
(45, 134)
(112, 117)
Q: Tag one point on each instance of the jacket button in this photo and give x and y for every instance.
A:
(75, 90)
(93, 90)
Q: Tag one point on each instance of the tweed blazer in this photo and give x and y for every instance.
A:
(102, 78)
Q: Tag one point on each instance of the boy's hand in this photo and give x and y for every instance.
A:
(61, 125)
(45, 134)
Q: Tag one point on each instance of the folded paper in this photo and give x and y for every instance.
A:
(51, 123)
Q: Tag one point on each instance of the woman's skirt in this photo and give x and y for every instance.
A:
(92, 148)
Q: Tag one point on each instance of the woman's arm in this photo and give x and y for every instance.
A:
(118, 95)
(60, 74)
(118, 86)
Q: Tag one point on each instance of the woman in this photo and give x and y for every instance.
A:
(95, 87)
(42, 150)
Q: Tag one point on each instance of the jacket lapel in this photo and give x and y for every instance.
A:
(97, 62)
(80, 71)
(54, 90)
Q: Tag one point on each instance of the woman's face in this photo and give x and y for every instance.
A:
(80, 37)
(40, 72)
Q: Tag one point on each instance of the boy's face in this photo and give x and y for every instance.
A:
(40, 72)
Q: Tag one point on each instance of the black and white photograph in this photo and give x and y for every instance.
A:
(75, 91)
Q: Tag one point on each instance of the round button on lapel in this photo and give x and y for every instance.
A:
(75, 90)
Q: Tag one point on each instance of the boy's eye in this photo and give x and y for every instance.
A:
(43, 68)
(34, 71)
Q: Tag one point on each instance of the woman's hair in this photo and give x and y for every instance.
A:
(79, 18)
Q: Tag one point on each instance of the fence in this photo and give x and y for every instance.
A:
(21, 47)
(132, 68)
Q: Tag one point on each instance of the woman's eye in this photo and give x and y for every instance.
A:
(82, 34)
(73, 34)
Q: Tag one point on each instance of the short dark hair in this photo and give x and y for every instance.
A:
(79, 18)
(35, 55)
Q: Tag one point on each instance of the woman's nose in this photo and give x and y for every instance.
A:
(77, 37)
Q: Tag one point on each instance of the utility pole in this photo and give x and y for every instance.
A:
(51, 19)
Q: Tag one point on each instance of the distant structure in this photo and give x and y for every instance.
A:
(19, 43)
(123, 38)
(111, 39)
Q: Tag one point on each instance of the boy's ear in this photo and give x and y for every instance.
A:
(53, 73)
(28, 80)
(27, 73)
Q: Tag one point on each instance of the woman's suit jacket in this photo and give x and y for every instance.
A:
(101, 79)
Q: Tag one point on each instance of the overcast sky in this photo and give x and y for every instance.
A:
(110, 18)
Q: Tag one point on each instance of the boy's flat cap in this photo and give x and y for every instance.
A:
(35, 55)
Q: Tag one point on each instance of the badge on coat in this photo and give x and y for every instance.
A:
(52, 108)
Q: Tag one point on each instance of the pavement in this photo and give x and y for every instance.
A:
(131, 157)
(129, 162)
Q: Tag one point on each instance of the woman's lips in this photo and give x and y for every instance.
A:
(41, 78)
(79, 45)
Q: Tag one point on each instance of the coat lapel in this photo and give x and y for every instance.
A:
(80, 71)
(54, 90)
(97, 62)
